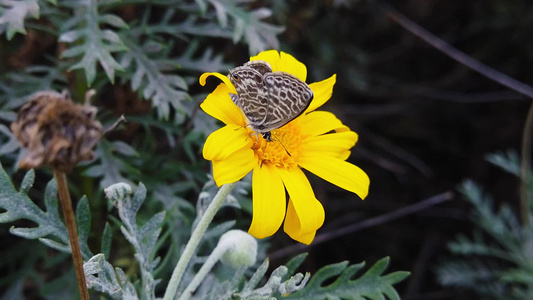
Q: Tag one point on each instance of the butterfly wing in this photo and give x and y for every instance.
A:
(260, 66)
(288, 98)
(252, 94)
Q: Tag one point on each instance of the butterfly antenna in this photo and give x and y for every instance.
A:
(279, 141)
(243, 126)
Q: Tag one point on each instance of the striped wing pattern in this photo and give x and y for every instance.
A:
(289, 97)
(268, 99)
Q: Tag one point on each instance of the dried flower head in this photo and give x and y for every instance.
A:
(56, 131)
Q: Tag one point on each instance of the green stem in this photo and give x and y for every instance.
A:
(524, 170)
(195, 239)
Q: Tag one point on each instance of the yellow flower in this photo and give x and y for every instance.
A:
(316, 140)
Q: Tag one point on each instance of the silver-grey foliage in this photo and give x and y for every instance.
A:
(108, 166)
(98, 37)
(50, 230)
(495, 260)
(142, 239)
(97, 45)
(14, 12)
(102, 277)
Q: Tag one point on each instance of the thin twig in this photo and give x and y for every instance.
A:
(399, 152)
(492, 74)
(321, 238)
(524, 168)
(68, 213)
(459, 56)
(111, 128)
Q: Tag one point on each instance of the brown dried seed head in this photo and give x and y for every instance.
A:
(56, 131)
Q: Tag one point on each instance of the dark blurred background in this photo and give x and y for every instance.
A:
(425, 121)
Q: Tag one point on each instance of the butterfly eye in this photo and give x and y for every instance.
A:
(235, 77)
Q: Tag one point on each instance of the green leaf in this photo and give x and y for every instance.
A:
(519, 276)
(13, 13)
(164, 90)
(293, 264)
(495, 261)
(107, 236)
(92, 43)
(113, 21)
(27, 184)
(101, 276)
(465, 273)
(207, 62)
(256, 277)
(50, 229)
(370, 285)
(16, 87)
(55, 245)
(111, 167)
(283, 284)
(83, 221)
(11, 144)
(18, 205)
(259, 35)
(503, 226)
(142, 239)
(195, 27)
(508, 161)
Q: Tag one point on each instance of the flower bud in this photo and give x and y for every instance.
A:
(241, 249)
(117, 191)
(56, 131)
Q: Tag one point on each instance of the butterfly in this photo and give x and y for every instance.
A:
(268, 99)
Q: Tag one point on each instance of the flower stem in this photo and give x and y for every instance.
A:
(68, 213)
(195, 239)
(204, 270)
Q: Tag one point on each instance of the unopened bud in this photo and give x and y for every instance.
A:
(117, 191)
(241, 249)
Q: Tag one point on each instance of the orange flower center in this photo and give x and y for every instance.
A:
(283, 151)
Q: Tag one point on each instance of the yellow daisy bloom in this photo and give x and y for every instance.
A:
(316, 140)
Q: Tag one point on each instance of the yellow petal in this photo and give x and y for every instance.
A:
(226, 140)
(343, 155)
(320, 122)
(218, 104)
(234, 167)
(339, 172)
(270, 56)
(224, 79)
(322, 91)
(268, 202)
(289, 64)
(292, 226)
(308, 211)
(331, 144)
